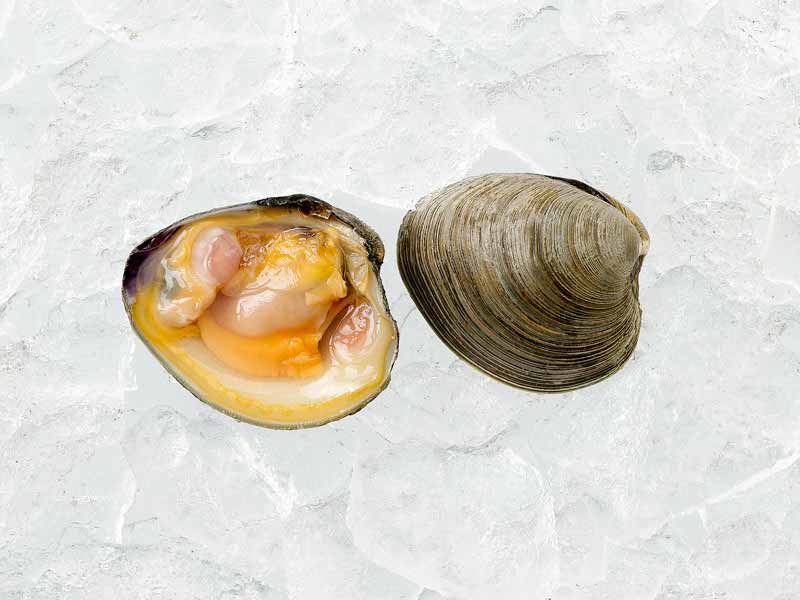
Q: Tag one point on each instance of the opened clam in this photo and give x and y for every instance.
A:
(531, 279)
(271, 311)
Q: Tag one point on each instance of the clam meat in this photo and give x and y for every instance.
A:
(271, 311)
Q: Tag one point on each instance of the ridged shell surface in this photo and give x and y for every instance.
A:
(532, 279)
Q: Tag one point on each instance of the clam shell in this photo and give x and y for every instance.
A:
(312, 207)
(531, 279)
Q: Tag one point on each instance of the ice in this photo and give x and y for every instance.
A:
(452, 405)
(677, 478)
(472, 523)
(737, 549)
(322, 561)
(173, 569)
(783, 245)
(223, 498)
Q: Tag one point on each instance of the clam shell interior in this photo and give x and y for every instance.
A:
(340, 386)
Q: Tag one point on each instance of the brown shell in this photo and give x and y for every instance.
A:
(531, 279)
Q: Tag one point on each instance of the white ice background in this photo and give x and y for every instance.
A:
(678, 478)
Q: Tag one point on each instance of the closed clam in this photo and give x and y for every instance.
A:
(271, 311)
(531, 279)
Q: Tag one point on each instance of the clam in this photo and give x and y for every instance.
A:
(531, 279)
(271, 311)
